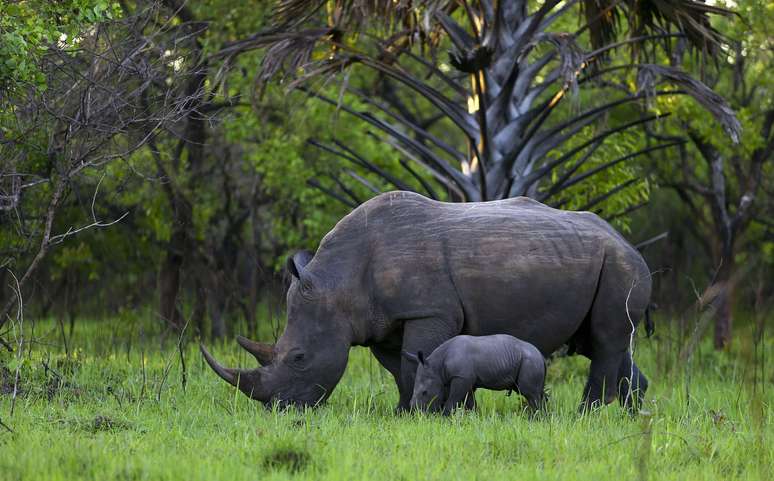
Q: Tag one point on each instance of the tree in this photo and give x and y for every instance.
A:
(727, 187)
(502, 90)
(211, 197)
(216, 195)
(104, 95)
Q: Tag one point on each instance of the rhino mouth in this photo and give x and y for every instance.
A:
(255, 383)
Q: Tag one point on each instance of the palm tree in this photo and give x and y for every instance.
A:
(508, 73)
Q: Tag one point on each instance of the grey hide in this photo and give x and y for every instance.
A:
(403, 272)
(448, 377)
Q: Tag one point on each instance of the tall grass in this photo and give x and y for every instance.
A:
(114, 407)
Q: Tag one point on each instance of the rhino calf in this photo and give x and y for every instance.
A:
(448, 377)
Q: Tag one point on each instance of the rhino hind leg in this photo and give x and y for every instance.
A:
(631, 395)
(470, 400)
(601, 385)
(618, 305)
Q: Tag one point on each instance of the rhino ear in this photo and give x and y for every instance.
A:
(411, 357)
(297, 262)
(421, 357)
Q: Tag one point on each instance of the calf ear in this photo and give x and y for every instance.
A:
(297, 262)
(411, 357)
(421, 357)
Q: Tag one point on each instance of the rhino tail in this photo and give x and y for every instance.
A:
(650, 328)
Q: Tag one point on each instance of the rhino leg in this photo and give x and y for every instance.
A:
(470, 400)
(622, 295)
(460, 390)
(531, 384)
(601, 384)
(390, 359)
(631, 400)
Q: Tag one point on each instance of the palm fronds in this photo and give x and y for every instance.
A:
(510, 76)
(647, 79)
(606, 19)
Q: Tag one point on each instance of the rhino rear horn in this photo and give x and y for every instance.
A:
(264, 353)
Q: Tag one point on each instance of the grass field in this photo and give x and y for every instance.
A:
(98, 414)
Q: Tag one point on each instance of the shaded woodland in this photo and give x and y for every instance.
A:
(163, 158)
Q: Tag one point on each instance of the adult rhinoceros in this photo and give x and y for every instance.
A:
(403, 272)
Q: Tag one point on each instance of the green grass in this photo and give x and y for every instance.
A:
(104, 420)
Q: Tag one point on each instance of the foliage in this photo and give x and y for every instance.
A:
(259, 186)
(501, 92)
(28, 27)
(727, 187)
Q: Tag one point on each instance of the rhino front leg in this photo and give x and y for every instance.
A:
(390, 359)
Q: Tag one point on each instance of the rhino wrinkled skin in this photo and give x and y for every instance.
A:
(403, 272)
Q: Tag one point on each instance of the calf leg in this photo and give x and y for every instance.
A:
(531, 384)
(459, 391)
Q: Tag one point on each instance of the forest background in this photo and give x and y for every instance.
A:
(161, 159)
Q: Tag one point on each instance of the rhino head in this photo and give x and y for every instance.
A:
(307, 362)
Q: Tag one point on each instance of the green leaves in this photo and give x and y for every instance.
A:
(28, 28)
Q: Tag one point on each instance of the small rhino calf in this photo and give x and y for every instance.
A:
(448, 377)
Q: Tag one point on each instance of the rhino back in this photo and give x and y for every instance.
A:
(513, 266)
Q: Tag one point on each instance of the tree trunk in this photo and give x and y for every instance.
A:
(180, 248)
(200, 306)
(218, 304)
(169, 280)
(724, 300)
(3, 284)
(255, 275)
(217, 309)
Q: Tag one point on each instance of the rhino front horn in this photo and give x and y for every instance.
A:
(264, 353)
(248, 381)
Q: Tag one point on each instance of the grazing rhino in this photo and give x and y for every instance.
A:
(403, 272)
(446, 379)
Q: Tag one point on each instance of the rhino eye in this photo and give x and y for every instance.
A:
(296, 358)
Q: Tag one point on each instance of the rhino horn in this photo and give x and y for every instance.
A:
(264, 353)
(247, 380)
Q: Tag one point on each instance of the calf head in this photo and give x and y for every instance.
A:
(305, 365)
(429, 390)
